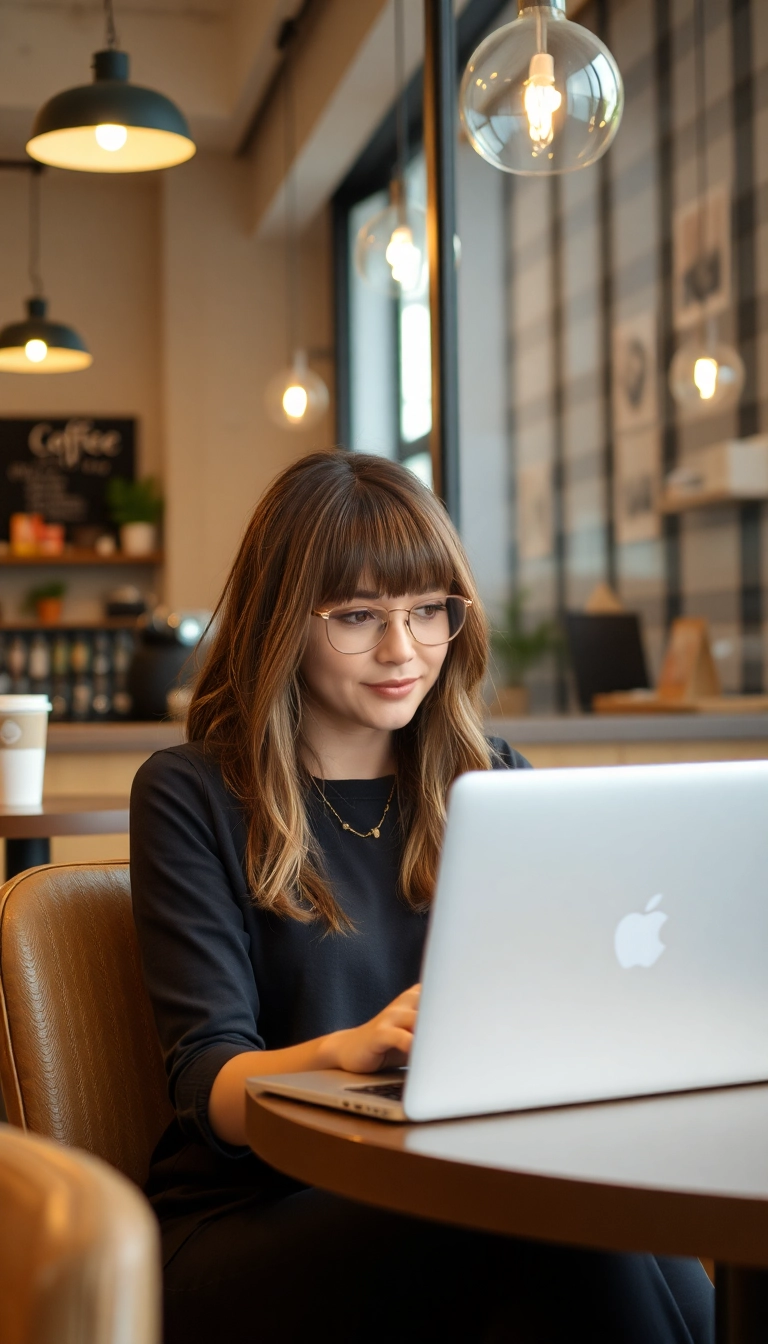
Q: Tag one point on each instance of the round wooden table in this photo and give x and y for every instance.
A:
(676, 1175)
(27, 830)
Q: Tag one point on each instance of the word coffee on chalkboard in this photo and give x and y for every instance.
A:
(60, 468)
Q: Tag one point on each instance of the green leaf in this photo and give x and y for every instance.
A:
(134, 501)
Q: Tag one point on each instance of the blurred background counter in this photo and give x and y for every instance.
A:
(98, 758)
(637, 739)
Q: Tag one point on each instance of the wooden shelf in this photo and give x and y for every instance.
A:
(679, 503)
(84, 558)
(67, 627)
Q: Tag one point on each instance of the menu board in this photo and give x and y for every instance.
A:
(60, 468)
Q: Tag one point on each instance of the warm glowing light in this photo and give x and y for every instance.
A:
(541, 100)
(111, 137)
(705, 373)
(404, 257)
(36, 351)
(295, 401)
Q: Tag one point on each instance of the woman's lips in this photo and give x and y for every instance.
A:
(392, 690)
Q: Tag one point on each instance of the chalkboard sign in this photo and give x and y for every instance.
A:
(60, 468)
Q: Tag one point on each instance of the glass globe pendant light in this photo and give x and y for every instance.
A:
(110, 126)
(296, 398)
(706, 375)
(38, 345)
(542, 94)
(391, 247)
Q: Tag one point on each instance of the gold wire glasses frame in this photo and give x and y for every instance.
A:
(360, 629)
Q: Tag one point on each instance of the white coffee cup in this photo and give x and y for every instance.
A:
(23, 731)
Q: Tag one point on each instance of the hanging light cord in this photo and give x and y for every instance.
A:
(702, 175)
(35, 277)
(291, 202)
(109, 20)
(401, 106)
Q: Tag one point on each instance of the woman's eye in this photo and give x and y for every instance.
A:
(362, 617)
(429, 611)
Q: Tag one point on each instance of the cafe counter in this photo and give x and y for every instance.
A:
(635, 739)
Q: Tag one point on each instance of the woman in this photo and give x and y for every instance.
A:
(283, 863)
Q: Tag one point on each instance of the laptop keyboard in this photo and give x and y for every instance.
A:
(392, 1091)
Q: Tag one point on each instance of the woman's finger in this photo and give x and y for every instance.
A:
(397, 1039)
(401, 1017)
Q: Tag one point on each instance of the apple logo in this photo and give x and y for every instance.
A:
(636, 939)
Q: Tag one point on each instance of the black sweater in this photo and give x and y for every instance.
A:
(225, 977)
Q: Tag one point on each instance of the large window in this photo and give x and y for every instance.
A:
(560, 481)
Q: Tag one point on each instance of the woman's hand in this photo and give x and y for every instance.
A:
(382, 1043)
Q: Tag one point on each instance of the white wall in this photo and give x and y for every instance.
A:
(224, 336)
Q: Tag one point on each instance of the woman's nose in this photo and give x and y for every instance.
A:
(397, 644)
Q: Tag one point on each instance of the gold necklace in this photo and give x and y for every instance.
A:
(375, 831)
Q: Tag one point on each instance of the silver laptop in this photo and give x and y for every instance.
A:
(596, 933)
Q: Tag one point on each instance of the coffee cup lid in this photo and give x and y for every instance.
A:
(24, 704)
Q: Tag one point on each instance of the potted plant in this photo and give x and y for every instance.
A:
(136, 507)
(517, 649)
(46, 601)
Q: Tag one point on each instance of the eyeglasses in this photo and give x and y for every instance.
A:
(359, 629)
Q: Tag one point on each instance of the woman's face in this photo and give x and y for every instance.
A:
(382, 687)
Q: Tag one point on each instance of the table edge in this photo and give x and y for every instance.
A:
(571, 1211)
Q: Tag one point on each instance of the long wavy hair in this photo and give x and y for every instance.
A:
(325, 522)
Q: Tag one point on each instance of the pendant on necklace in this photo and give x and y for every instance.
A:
(345, 825)
(375, 832)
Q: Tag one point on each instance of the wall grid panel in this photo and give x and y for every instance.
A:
(709, 562)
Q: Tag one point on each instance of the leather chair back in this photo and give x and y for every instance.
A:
(80, 1058)
(79, 1249)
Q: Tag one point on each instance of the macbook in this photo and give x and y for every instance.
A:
(596, 933)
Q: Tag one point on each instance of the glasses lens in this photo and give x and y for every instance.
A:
(438, 622)
(356, 630)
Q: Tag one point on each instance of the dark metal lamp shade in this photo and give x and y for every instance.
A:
(38, 345)
(110, 126)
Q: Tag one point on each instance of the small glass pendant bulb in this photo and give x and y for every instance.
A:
(391, 248)
(542, 94)
(297, 397)
(706, 376)
(404, 258)
(295, 401)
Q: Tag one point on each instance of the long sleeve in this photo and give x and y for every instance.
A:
(188, 894)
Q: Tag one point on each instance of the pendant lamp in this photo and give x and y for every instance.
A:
(38, 345)
(391, 247)
(110, 126)
(296, 398)
(542, 95)
(706, 375)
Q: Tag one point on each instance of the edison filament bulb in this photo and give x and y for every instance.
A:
(297, 397)
(542, 94)
(706, 376)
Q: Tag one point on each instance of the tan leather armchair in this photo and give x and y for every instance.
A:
(80, 1059)
(79, 1253)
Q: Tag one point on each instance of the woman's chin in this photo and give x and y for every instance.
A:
(388, 718)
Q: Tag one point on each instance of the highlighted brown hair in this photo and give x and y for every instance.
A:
(325, 522)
